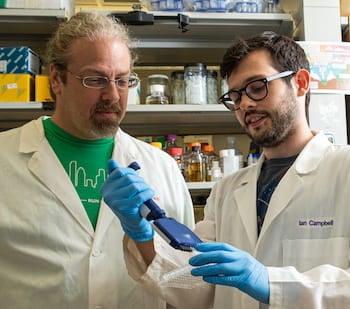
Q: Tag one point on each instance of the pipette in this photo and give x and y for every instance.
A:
(178, 235)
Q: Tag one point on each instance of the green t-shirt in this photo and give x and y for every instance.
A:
(85, 162)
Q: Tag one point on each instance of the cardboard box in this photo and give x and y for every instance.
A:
(42, 89)
(17, 60)
(16, 88)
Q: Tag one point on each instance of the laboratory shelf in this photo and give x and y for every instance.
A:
(141, 120)
(29, 27)
(205, 36)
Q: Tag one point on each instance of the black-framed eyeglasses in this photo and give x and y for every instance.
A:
(255, 90)
(100, 82)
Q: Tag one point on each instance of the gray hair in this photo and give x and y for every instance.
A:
(92, 26)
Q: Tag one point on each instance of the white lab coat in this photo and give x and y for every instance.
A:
(50, 256)
(304, 240)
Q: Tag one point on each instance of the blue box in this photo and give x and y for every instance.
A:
(19, 60)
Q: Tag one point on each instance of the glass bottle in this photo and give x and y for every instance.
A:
(209, 156)
(196, 83)
(158, 89)
(178, 87)
(194, 164)
(212, 87)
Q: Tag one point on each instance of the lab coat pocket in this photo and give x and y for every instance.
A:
(305, 254)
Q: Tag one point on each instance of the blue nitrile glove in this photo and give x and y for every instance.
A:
(124, 191)
(232, 267)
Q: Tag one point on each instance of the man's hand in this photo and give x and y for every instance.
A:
(124, 191)
(223, 264)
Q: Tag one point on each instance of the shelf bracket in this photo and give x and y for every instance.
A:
(183, 21)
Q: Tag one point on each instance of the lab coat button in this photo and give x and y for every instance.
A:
(96, 253)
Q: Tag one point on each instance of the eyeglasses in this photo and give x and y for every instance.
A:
(100, 82)
(255, 90)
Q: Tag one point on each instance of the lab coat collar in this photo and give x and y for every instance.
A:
(125, 150)
(312, 154)
(45, 165)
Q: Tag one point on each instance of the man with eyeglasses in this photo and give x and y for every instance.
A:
(276, 233)
(60, 244)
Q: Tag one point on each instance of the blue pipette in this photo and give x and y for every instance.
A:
(178, 235)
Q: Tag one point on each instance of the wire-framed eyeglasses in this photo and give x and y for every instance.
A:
(100, 82)
(255, 90)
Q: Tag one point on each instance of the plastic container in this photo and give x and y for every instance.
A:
(215, 5)
(158, 89)
(231, 144)
(171, 5)
(181, 278)
(196, 83)
(215, 172)
(229, 161)
(197, 5)
(245, 6)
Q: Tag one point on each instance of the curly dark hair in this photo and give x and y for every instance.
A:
(286, 55)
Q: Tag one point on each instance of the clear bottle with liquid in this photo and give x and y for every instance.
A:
(194, 172)
(209, 156)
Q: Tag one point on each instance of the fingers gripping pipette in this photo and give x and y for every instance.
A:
(178, 235)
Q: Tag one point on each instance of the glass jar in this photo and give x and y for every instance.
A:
(196, 83)
(178, 87)
(212, 87)
(224, 86)
(158, 89)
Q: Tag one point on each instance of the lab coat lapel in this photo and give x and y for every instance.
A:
(245, 197)
(307, 161)
(46, 167)
(289, 186)
(124, 153)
